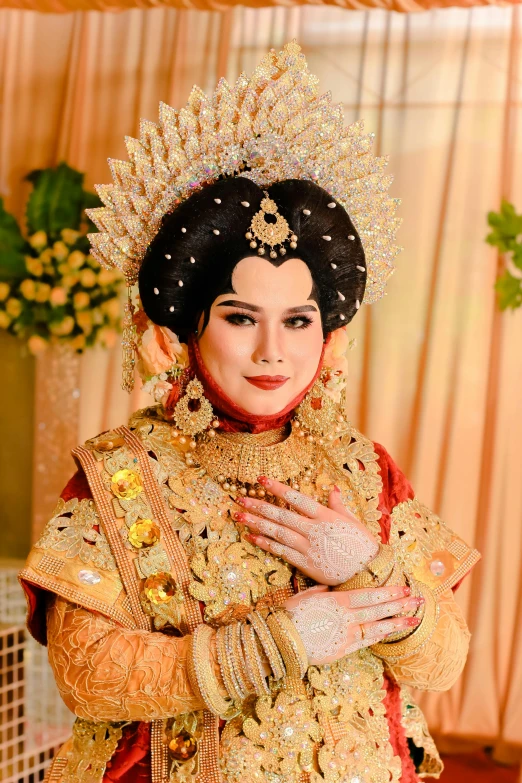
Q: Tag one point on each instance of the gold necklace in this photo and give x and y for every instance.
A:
(237, 459)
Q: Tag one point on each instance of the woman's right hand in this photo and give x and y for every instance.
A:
(335, 624)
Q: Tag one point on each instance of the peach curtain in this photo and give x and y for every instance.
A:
(437, 373)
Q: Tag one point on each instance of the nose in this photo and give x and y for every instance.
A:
(268, 349)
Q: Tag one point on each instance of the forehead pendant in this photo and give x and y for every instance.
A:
(275, 231)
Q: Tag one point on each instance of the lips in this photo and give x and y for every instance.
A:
(267, 382)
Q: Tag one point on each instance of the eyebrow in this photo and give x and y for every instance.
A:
(256, 309)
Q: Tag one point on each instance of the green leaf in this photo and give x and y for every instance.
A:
(12, 247)
(509, 290)
(506, 225)
(56, 201)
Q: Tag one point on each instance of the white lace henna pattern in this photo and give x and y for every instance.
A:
(339, 549)
(281, 534)
(294, 557)
(281, 515)
(368, 597)
(305, 504)
(322, 625)
(381, 630)
(371, 613)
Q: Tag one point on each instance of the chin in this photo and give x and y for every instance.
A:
(265, 403)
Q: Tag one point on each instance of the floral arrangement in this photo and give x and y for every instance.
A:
(51, 290)
(161, 357)
(506, 234)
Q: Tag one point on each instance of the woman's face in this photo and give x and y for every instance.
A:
(263, 343)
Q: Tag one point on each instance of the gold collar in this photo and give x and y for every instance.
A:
(240, 458)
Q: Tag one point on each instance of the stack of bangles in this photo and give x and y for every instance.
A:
(243, 650)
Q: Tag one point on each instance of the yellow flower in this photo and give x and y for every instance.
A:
(34, 266)
(88, 278)
(69, 280)
(76, 259)
(64, 268)
(28, 288)
(46, 257)
(64, 327)
(4, 320)
(58, 296)
(81, 300)
(38, 240)
(60, 250)
(42, 292)
(78, 343)
(92, 262)
(106, 277)
(107, 337)
(13, 307)
(84, 321)
(36, 344)
(69, 236)
(4, 291)
(112, 308)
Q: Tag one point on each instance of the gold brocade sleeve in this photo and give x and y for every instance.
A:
(436, 663)
(108, 673)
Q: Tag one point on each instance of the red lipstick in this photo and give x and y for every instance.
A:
(268, 382)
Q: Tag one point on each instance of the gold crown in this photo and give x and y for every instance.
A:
(271, 127)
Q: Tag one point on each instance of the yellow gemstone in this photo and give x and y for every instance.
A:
(160, 588)
(126, 484)
(144, 532)
(183, 746)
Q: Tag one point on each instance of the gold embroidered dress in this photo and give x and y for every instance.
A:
(132, 570)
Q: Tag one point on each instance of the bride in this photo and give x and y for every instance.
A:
(238, 585)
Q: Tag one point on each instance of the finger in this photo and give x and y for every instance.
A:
(277, 514)
(375, 631)
(372, 596)
(336, 504)
(389, 609)
(280, 550)
(274, 531)
(304, 504)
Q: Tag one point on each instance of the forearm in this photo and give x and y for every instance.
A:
(430, 658)
(105, 672)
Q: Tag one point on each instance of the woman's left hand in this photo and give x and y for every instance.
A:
(326, 543)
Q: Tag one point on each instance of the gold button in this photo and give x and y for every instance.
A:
(126, 484)
(183, 746)
(160, 588)
(144, 532)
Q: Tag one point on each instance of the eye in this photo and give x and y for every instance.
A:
(298, 322)
(240, 319)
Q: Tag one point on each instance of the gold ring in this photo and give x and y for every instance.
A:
(361, 626)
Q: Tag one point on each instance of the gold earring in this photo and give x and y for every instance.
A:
(193, 413)
(318, 414)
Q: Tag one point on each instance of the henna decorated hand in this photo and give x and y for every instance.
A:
(332, 625)
(326, 543)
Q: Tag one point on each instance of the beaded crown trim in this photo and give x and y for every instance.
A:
(271, 127)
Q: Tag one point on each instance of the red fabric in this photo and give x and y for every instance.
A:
(131, 762)
(231, 417)
(399, 743)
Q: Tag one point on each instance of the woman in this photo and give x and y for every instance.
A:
(239, 586)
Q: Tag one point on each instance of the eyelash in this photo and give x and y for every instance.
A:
(235, 318)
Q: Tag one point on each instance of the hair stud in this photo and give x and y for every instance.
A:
(357, 304)
(361, 268)
(180, 283)
(183, 230)
(156, 291)
(168, 256)
(245, 203)
(342, 317)
(192, 260)
(217, 200)
(334, 266)
(216, 231)
(332, 205)
(326, 238)
(341, 296)
(306, 212)
(351, 236)
(171, 308)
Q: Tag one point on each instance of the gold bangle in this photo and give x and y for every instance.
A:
(253, 660)
(395, 651)
(290, 644)
(268, 644)
(376, 572)
(201, 672)
(239, 659)
(233, 665)
(224, 664)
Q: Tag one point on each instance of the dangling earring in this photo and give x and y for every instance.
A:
(193, 413)
(128, 344)
(318, 414)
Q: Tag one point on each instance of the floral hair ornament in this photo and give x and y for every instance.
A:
(161, 357)
(271, 232)
(264, 128)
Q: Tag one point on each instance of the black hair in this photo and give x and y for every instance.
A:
(191, 259)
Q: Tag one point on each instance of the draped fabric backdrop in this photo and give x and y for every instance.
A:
(437, 372)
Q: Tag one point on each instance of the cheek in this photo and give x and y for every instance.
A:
(304, 349)
(221, 344)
